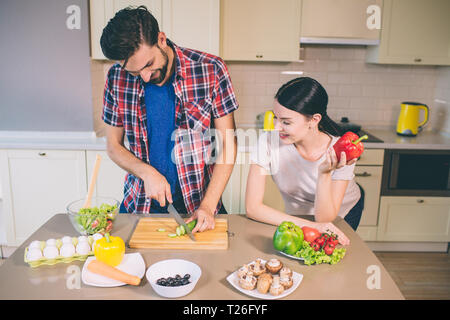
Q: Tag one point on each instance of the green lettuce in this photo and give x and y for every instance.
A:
(318, 257)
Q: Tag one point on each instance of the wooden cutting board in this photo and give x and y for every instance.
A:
(147, 236)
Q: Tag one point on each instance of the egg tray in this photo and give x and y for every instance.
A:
(59, 259)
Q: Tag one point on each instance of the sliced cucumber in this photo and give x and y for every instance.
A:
(161, 230)
(172, 235)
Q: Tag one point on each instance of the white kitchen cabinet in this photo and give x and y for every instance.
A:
(369, 178)
(234, 194)
(414, 219)
(231, 195)
(36, 185)
(193, 24)
(368, 174)
(260, 30)
(101, 11)
(413, 32)
(110, 179)
(339, 22)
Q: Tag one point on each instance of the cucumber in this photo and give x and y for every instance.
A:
(180, 230)
(191, 225)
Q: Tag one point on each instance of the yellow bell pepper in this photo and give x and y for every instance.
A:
(109, 250)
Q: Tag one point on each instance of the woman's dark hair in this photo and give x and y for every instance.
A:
(307, 96)
(126, 31)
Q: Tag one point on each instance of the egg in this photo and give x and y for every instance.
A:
(51, 242)
(97, 236)
(34, 254)
(67, 250)
(51, 252)
(35, 245)
(83, 248)
(67, 239)
(82, 239)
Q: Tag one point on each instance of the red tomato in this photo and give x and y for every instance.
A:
(320, 241)
(315, 246)
(333, 240)
(329, 248)
(310, 234)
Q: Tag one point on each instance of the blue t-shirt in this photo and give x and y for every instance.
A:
(160, 107)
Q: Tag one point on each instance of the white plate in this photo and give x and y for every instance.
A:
(292, 257)
(132, 263)
(233, 279)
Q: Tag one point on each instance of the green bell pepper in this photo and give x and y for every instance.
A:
(288, 238)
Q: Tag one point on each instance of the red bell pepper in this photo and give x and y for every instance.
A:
(351, 144)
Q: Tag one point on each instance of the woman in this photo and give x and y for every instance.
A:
(300, 157)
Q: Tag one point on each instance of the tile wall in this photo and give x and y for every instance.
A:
(368, 94)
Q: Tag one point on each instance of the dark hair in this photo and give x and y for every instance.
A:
(307, 96)
(126, 31)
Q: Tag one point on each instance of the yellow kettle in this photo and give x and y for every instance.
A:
(268, 121)
(408, 121)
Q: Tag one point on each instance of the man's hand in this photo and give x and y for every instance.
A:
(205, 219)
(157, 187)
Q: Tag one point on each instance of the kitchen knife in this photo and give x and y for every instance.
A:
(180, 221)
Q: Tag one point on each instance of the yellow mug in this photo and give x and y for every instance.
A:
(268, 121)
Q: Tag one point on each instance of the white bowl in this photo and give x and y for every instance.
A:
(170, 268)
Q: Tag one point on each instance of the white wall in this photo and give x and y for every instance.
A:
(2, 220)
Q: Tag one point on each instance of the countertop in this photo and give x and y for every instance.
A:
(428, 140)
(247, 137)
(51, 140)
(249, 240)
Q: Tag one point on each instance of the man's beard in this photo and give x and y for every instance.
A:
(163, 70)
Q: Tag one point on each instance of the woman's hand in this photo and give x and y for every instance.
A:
(328, 226)
(331, 163)
(205, 219)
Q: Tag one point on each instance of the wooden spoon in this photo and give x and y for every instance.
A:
(87, 203)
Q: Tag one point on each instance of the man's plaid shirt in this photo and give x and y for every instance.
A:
(203, 92)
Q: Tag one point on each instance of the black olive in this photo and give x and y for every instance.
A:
(187, 276)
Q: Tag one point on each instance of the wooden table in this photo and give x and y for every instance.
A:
(351, 278)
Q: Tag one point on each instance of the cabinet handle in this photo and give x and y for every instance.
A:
(42, 154)
(420, 201)
(417, 60)
(259, 55)
(364, 174)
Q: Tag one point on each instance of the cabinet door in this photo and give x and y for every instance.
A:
(231, 196)
(272, 196)
(414, 32)
(193, 24)
(414, 219)
(370, 180)
(346, 19)
(260, 30)
(101, 11)
(110, 179)
(41, 184)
